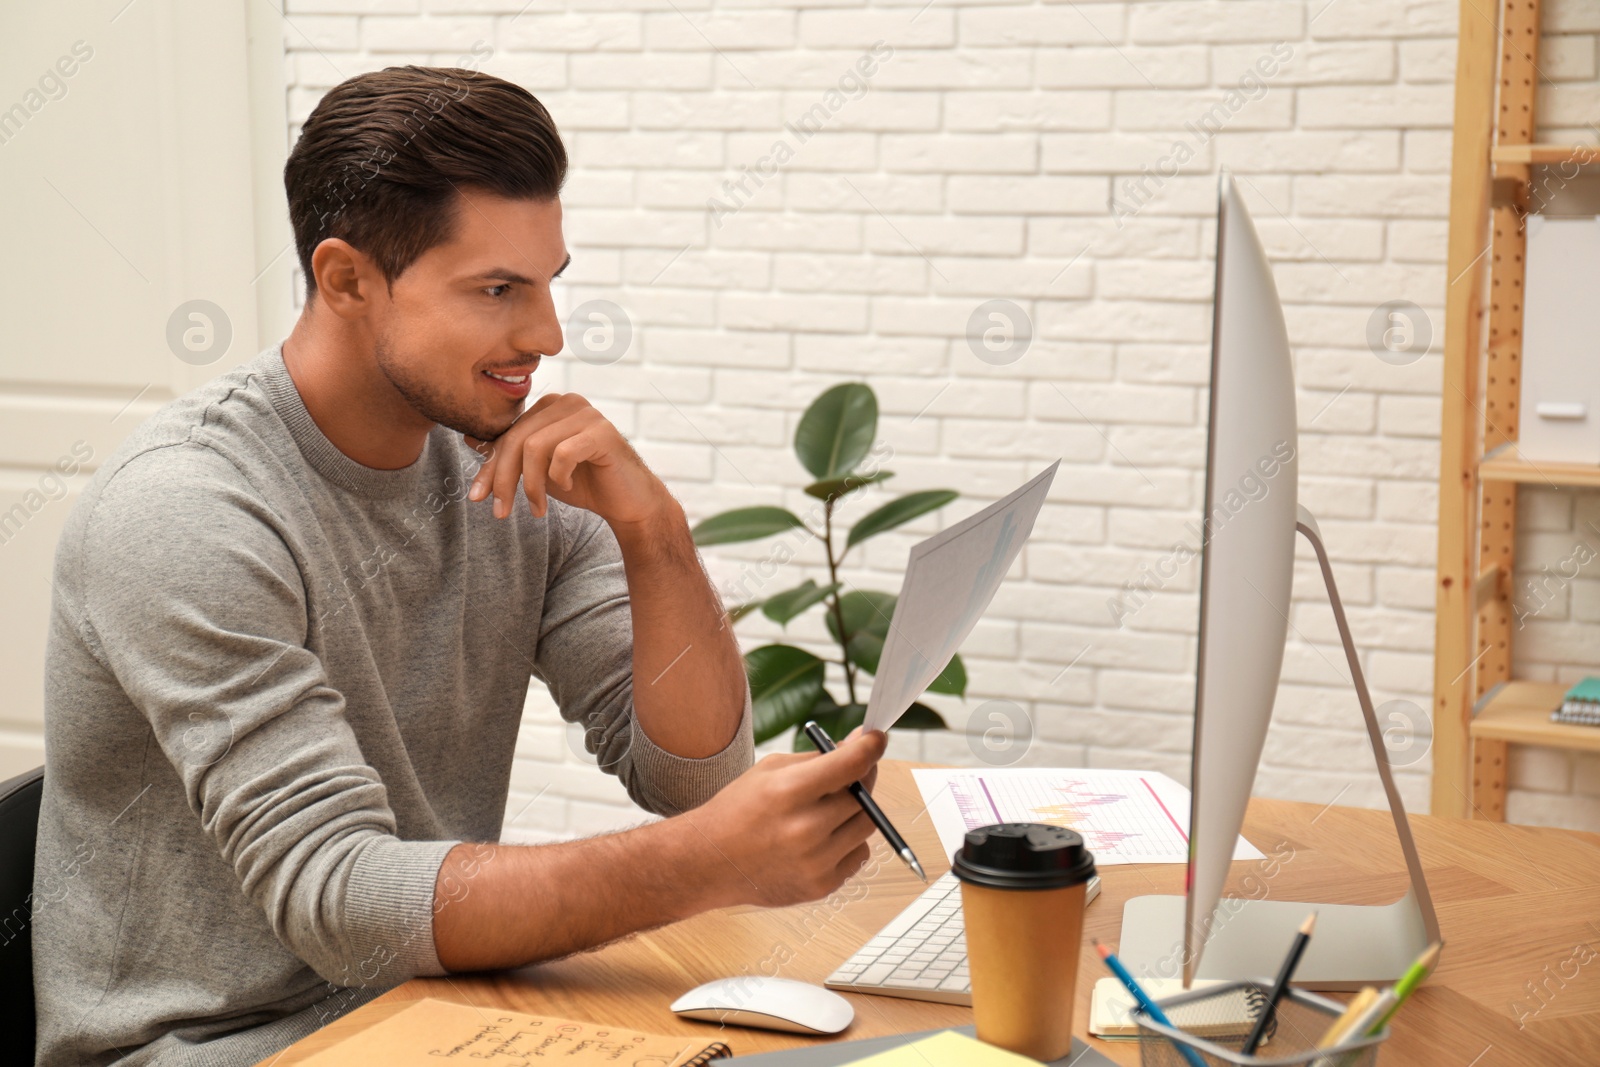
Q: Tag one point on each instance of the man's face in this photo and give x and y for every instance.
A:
(477, 305)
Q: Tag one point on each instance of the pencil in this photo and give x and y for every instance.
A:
(1149, 1006)
(1297, 949)
(1353, 1011)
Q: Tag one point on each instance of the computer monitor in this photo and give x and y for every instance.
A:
(1251, 515)
(1247, 558)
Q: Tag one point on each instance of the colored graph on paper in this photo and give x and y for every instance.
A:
(1123, 816)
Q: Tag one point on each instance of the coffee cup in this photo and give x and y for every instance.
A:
(1022, 895)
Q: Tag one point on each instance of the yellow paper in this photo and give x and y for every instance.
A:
(430, 1031)
(946, 1049)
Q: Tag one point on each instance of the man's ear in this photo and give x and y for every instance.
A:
(346, 278)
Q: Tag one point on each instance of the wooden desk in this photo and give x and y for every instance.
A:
(1519, 906)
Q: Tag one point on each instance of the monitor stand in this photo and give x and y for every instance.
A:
(1355, 945)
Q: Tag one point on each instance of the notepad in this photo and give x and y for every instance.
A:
(946, 1049)
(1111, 1008)
(429, 1031)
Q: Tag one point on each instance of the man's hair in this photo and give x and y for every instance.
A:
(383, 156)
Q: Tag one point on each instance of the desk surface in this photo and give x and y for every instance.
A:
(1519, 907)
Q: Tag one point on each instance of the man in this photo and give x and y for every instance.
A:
(296, 615)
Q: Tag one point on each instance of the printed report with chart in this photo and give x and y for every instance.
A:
(1124, 816)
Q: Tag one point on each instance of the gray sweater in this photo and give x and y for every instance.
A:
(280, 687)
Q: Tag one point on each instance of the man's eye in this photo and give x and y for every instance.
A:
(497, 291)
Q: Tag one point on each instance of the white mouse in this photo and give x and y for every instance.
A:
(767, 1003)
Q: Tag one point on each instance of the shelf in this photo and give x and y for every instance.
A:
(1545, 153)
(1520, 712)
(1504, 464)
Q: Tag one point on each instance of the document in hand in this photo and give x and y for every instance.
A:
(949, 581)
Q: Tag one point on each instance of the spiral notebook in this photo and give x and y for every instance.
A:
(1111, 1008)
(430, 1031)
(1581, 705)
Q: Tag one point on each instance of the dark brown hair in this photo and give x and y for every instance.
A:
(381, 159)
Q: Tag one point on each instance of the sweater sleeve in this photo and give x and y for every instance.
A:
(585, 656)
(195, 602)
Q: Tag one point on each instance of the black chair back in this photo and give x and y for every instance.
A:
(19, 831)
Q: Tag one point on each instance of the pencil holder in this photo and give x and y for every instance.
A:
(1207, 1023)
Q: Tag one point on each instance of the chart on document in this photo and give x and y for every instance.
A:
(1123, 816)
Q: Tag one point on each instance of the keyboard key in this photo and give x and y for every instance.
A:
(956, 983)
(875, 974)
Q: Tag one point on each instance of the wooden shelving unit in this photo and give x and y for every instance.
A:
(1519, 713)
(1505, 465)
(1547, 154)
(1478, 709)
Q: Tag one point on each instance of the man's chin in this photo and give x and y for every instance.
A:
(481, 429)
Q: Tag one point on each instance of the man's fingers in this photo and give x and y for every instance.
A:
(484, 475)
(535, 459)
(854, 830)
(850, 762)
(501, 468)
(567, 455)
(853, 861)
(538, 457)
(871, 777)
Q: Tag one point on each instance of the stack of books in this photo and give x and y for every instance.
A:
(1581, 705)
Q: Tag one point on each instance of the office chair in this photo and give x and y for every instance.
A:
(19, 829)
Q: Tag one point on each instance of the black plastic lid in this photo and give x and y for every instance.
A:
(1023, 855)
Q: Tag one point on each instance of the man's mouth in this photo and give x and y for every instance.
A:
(514, 383)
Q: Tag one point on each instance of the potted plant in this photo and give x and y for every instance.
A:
(787, 684)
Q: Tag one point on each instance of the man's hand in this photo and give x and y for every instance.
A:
(789, 827)
(784, 832)
(563, 447)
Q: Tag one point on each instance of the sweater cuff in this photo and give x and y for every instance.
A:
(678, 783)
(389, 910)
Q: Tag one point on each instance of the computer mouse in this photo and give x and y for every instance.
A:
(767, 1003)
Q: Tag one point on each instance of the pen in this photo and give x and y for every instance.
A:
(1145, 1002)
(1297, 948)
(824, 743)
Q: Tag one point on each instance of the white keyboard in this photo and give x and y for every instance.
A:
(922, 953)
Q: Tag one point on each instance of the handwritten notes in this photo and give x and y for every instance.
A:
(430, 1031)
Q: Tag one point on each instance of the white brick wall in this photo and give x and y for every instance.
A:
(986, 160)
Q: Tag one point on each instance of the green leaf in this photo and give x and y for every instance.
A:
(837, 724)
(824, 707)
(745, 524)
(781, 607)
(863, 609)
(952, 680)
(837, 430)
(898, 511)
(865, 650)
(784, 684)
(837, 487)
(921, 717)
(739, 611)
